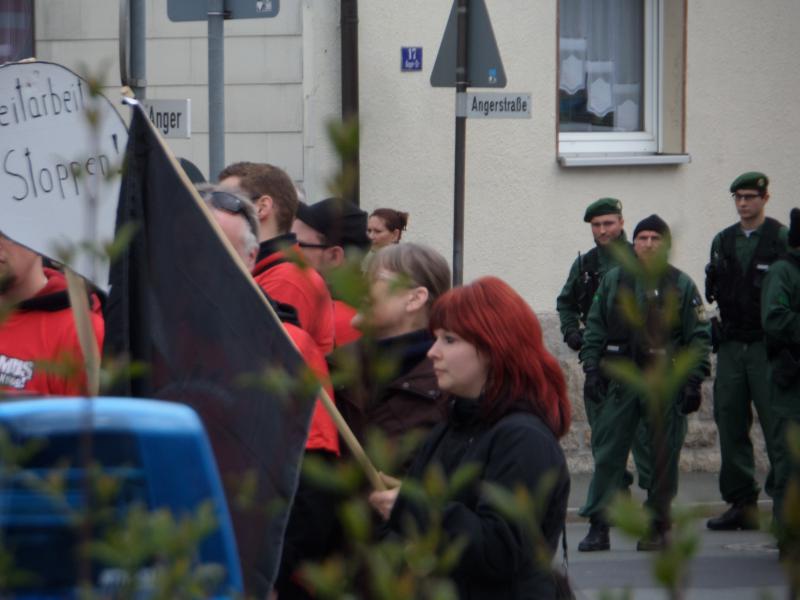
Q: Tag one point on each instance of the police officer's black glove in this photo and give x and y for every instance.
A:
(691, 396)
(595, 386)
(574, 339)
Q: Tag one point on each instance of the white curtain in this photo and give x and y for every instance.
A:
(601, 51)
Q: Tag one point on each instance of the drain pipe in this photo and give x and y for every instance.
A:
(349, 34)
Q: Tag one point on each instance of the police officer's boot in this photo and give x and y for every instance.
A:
(741, 515)
(657, 539)
(597, 538)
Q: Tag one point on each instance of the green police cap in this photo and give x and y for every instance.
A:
(604, 206)
(752, 180)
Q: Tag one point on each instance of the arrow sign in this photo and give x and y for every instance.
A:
(484, 65)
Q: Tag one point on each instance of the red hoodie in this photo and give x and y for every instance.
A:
(38, 335)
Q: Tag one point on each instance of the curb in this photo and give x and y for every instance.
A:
(706, 509)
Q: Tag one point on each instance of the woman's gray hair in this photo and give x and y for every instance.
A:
(420, 265)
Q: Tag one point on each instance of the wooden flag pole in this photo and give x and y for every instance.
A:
(352, 442)
(79, 302)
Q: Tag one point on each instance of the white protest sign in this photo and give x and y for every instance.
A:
(52, 161)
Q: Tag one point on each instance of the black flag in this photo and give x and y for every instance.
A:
(182, 305)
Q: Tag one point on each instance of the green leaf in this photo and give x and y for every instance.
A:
(462, 478)
(627, 514)
(356, 519)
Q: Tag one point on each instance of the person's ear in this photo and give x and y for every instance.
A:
(396, 236)
(417, 298)
(334, 256)
(264, 206)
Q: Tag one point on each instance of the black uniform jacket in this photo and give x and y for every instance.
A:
(518, 450)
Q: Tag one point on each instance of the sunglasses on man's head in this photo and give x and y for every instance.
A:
(234, 205)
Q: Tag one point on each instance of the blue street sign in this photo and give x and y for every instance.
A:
(411, 58)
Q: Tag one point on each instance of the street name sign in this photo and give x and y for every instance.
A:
(493, 105)
(484, 65)
(197, 10)
(172, 118)
(53, 162)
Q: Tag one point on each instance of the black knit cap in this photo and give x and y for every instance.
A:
(794, 228)
(341, 222)
(652, 223)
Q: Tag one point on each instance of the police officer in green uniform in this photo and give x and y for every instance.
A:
(740, 257)
(605, 218)
(780, 317)
(620, 409)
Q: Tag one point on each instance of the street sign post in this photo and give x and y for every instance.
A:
(468, 57)
(172, 118)
(197, 10)
(215, 12)
(484, 65)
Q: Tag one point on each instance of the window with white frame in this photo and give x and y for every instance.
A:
(608, 76)
(16, 30)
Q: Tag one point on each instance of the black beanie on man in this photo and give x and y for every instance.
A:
(652, 223)
(341, 222)
(794, 229)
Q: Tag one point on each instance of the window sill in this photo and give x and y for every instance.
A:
(618, 160)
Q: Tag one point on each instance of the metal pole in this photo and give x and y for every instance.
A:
(349, 37)
(216, 88)
(462, 28)
(138, 53)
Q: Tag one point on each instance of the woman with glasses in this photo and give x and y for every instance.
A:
(509, 407)
(391, 384)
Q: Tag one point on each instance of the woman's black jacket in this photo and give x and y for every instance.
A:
(501, 559)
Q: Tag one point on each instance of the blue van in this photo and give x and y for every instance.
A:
(160, 458)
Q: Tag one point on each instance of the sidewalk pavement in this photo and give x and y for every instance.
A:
(696, 489)
(735, 565)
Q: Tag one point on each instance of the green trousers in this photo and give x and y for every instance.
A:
(617, 422)
(640, 448)
(785, 402)
(740, 384)
(787, 467)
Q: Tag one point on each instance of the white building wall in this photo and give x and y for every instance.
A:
(279, 87)
(524, 212)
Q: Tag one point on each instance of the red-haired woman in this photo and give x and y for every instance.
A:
(509, 407)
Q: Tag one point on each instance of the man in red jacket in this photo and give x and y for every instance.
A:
(39, 349)
(328, 231)
(236, 217)
(312, 523)
(280, 267)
